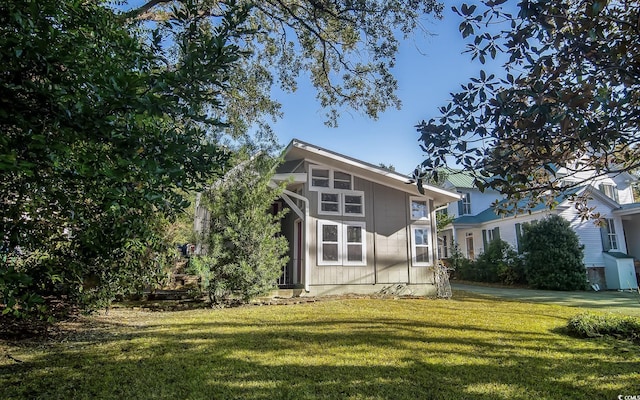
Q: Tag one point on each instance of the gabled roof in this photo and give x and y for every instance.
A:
(460, 179)
(298, 149)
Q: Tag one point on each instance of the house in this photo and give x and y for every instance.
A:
(354, 227)
(611, 252)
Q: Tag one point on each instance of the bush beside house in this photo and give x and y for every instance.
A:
(551, 259)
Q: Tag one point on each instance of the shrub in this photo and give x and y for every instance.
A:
(553, 255)
(498, 264)
(596, 325)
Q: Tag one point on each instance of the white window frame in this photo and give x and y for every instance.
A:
(342, 243)
(342, 204)
(417, 199)
(612, 237)
(414, 246)
(320, 202)
(363, 243)
(610, 190)
(466, 203)
(320, 240)
(332, 180)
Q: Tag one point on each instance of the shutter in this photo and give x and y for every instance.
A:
(459, 208)
(496, 233)
(518, 237)
(604, 235)
(484, 239)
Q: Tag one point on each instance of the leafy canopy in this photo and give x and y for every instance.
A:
(569, 92)
(346, 48)
(97, 135)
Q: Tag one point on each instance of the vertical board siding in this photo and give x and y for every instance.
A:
(390, 208)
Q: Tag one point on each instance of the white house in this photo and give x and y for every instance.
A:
(611, 252)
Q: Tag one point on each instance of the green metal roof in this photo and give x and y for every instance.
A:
(460, 179)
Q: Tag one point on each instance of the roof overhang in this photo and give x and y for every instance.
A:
(383, 176)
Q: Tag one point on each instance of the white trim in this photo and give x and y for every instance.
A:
(321, 242)
(427, 243)
(306, 237)
(331, 180)
(363, 242)
(342, 204)
(403, 180)
(341, 243)
(321, 202)
(422, 200)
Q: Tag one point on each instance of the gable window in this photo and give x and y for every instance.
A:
(609, 237)
(609, 191)
(420, 245)
(419, 209)
(341, 243)
(464, 205)
(327, 178)
(341, 203)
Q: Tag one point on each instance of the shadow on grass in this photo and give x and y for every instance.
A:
(332, 358)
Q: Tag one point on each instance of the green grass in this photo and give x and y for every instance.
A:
(468, 347)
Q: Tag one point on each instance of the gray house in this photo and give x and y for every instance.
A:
(354, 227)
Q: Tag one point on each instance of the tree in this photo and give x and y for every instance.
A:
(97, 136)
(553, 255)
(568, 98)
(245, 253)
(346, 48)
(110, 114)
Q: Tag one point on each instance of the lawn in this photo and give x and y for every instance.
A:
(467, 347)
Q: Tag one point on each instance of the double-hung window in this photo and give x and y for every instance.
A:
(341, 243)
(464, 205)
(421, 245)
(609, 237)
(348, 203)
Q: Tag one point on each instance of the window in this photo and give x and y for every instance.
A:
(319, 177)
(421, 243)
(326, 178)
(341, 243)
(419, 209)
(329, 203)
(353, 203)
(609, 190)
(464, 205)
(341, 203)
(341, 180)
(609, 237)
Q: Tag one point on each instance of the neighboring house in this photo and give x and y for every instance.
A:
(611, 252)
(354, 227)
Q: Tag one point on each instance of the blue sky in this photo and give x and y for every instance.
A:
(428, 68)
